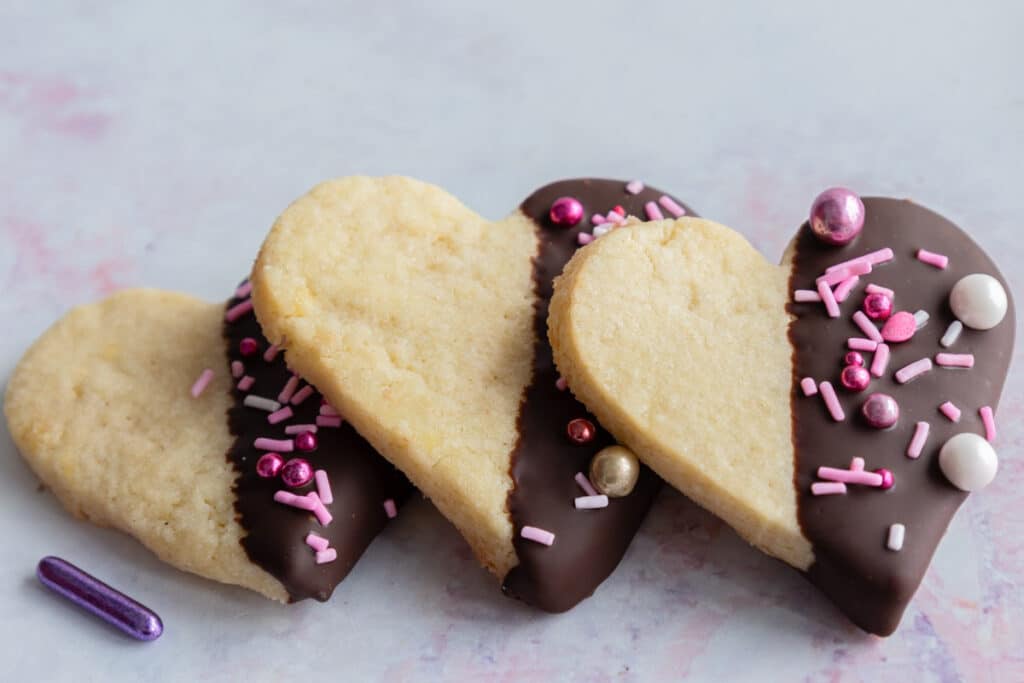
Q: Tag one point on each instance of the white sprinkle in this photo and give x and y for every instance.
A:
(802, 296)
(952, 334)
(602, 229)
(591, 502)
(921, 319)
(896, 534)
(266, 404)
(634, 187)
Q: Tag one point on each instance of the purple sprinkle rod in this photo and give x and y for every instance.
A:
(92, 595)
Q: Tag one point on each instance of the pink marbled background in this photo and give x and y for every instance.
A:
(154, 146)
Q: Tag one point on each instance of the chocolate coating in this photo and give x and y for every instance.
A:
(869, 583)
(588, 543)
(360, 480)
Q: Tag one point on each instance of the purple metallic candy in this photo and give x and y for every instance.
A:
(837, 216)
(92, 595)
(566, 212)
(881, 411)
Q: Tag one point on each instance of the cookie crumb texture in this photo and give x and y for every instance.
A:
(99, 408)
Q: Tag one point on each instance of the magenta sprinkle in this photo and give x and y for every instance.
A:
(855, 378)
(878, 306)
(326, 556)
(955, 360)
(238, 310)
(888, 479)
(653, 212)
(329, 421)
(584, 483)
(265, 444)
(828, 298)
(302, 394)
(917, 441)
(876, 289)
(842, 292)
(532, 533)
(306, 442)
(899, 328)
(853, 358)
(809, 387)
(828, 394)
(950, 411)
(827, 488)
(203, 381)
(989, 420)
(316, 542)
(880, 361)
(909, 372)
(237, 369)
(866, 326)
(248, 346)
(932, 259)
(244, 290)
(634, 187)
(390, 509)
(803, 296)
(671, 206)
(289, 389)
(271, 353)
(269, 465)
(861, 344)
(581, 431)
(245, 384)
(566, 212)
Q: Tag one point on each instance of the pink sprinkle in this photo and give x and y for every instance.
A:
(909, 372)
(671, 206)
(318, 510)
(861, 344)
(328, 410)
(317, 543)
(831, 401)
(561, 384)
(238, 310)
(917, 441)
(803, 296)
(850, 476)
(282, 445)
(955, 360)
(237, 369)
(809, 387)
(834, 277)
(877, 289)
(950, 411)
(880, 361)
(532, 533)
(845, 287)
(827, 488)
(829, 299)
(332, 421)
(303, 393)
(390, 509)
(866, 326)
(300, 502)
(271, 353)
(326, 556)
(244, 290)
(989, 420)
(584, 238)
(323, 487)
(591, 502)
(857, 465)
(245, 384)
(653, 212)
(634, 187)
(900, 327)
(874, 258)
(299, 429)
(615, 217)
(289, 389)
(203, 381)
(598, 219)
(279, 415)
(932, 259)
(584, 483)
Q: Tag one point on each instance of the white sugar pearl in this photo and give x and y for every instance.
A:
(968, 461)
(979, 301)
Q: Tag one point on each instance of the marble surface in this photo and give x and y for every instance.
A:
(154, 145)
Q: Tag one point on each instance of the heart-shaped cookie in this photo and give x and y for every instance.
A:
(425, 325)
(726, 375)
(100, 407)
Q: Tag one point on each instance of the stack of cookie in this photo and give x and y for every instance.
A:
(390, 335)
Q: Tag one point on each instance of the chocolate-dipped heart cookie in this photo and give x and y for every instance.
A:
(425, 325)
(100, 407)
(834, 410)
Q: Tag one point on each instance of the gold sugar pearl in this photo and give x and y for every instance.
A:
(614, 471)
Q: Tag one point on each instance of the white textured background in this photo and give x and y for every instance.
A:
(146, 144)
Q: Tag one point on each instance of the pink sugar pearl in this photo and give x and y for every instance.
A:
(887, 478)
(855, 378)
(296, 472)
(306, 441)
(269, 465)
(580, 431)
(248, 346)
(853, 358)
(566, 212)
(878, 306)
(880, 411)
(837, 216)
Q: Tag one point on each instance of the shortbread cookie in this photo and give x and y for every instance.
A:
(425, 325)
(100, 407)
(830, 410)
